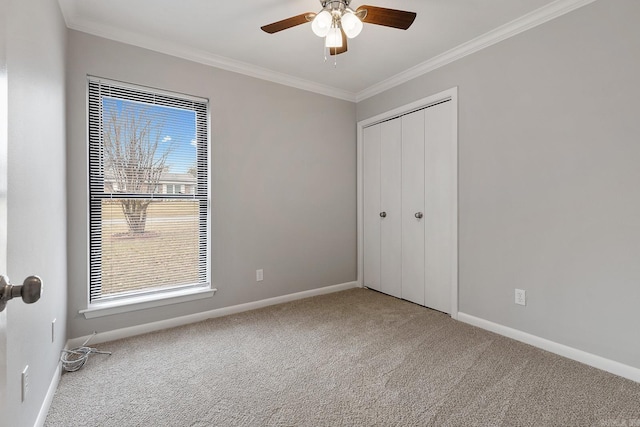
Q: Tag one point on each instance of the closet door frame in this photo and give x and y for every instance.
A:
(450, 95)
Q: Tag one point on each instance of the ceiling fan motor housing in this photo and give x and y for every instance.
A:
(335, 5)
(338, 10)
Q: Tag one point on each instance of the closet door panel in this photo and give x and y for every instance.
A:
(371, 204)
(413, 218)
(390, 203)
(439, 256)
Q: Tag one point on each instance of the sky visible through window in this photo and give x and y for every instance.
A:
(175, 128)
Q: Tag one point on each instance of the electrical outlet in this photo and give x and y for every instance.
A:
(53, 330)
(521, 297)
(259, 275)
(25, 382)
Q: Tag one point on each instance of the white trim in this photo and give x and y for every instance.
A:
(526, 22)
(183, 51)
(68, 12)
(449, 94)
(454, 208)
(581, 356)
(143, 302)
(143, 88)
(515, 27)
(46, 404)
(360, 203)
(413, 106)
(157, 298)
(131, 331)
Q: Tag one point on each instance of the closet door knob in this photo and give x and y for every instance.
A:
(418, 215)
(383, 214)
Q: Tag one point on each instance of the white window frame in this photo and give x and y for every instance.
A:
(156, 297)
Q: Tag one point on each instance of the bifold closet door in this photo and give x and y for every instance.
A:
(413, 202)
(382, 207)
(371, 207)
(391, 207)
(410, 206)
(439, 206)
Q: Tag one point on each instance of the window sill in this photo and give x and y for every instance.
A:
(144, 302)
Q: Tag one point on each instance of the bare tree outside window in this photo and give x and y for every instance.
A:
(133, 155)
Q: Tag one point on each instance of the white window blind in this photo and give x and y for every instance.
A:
(148, 191)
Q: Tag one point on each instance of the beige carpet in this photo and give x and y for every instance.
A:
(353, 358)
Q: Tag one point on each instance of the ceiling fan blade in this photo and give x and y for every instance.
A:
(339, 50)
(288, 23)
(388, 17)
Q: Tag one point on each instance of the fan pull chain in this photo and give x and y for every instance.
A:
(335, 56)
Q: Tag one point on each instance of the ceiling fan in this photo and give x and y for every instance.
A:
(337, 21)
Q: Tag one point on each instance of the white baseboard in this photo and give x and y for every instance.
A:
(53, 386)
(581, 356)
(117, 334)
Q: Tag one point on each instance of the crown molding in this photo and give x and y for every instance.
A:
(69, 12)
(515, 27)
(74, 22)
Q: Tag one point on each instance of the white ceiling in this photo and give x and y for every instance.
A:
(227, 34)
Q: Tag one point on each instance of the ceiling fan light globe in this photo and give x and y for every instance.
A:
(351, 25)
(334, 38)
(321, 24)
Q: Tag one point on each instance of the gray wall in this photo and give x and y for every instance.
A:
(35, 54)
(283, 180)
(549, 166)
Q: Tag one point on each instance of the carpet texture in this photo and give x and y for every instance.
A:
(352, 358)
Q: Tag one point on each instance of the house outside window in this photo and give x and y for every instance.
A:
(149, 192)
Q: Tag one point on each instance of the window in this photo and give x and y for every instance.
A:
(145, 241)
(173, 189)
